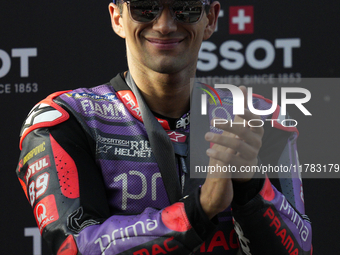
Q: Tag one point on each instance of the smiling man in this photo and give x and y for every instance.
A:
(105, 168)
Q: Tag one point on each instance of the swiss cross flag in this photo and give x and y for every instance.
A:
(241, 19)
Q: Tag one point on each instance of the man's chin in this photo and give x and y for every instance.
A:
(167, 67)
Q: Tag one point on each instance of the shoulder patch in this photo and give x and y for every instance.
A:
(44, 114)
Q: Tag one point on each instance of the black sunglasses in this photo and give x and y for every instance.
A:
(145, 11)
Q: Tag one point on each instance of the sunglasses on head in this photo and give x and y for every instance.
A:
(185, 11)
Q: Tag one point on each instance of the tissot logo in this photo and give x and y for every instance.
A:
(241, 19)
(24, 54)
(255, 52)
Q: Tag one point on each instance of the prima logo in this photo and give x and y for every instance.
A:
(140, 228)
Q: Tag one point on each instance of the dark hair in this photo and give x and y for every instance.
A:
(119, 4)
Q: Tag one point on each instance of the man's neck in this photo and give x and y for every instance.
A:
(165, 94)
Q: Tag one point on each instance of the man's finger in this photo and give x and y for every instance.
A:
(241, 130)
(246, 151)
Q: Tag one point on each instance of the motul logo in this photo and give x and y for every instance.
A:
(37, 166)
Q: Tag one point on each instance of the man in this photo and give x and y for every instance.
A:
(104, 177)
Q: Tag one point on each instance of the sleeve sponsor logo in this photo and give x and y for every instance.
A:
(46, 212)
(37, 166)
(40, 148)
(158, 249)
(241, 20)
(140, 228)
(220, 239)
(286, 240)
(295, 218)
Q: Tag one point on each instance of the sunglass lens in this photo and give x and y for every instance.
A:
(144, 10)
(187, 11)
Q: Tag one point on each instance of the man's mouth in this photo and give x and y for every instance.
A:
(165, 44)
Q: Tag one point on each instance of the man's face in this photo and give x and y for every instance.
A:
(164, 45)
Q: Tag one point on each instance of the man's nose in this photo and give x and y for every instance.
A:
(165, 23)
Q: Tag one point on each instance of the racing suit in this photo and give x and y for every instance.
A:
(90, 175)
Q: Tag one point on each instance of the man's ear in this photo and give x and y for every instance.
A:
(116, 20)
(212, 19)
